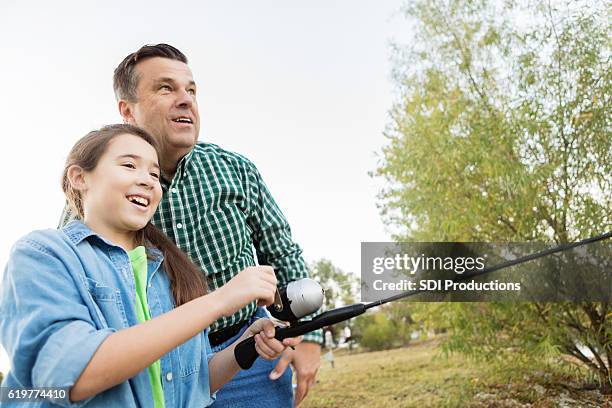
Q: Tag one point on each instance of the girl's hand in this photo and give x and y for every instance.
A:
(253, 283)
(266, 345)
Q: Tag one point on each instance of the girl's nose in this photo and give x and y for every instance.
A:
(145, 180)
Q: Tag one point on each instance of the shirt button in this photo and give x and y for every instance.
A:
(150, 284)
(169, 376)
(179, 225)
(174, 190)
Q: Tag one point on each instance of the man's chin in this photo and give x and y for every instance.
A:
(183, 140)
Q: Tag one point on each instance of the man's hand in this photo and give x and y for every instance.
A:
(305, 360)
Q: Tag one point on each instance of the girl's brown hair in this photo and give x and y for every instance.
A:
(186, 280)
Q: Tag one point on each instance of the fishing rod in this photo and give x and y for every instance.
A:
(303, 297)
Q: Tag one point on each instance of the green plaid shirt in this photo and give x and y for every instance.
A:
(218, 210)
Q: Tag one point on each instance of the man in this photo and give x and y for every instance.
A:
(217, 209)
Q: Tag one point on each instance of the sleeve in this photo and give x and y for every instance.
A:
(209, 355)
(273, 242)
(46, 327)
(207, 348)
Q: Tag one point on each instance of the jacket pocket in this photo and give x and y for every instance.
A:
(109, 304)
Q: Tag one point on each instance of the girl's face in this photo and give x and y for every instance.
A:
(121, 194)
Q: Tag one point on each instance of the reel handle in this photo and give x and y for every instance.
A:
(245, 352)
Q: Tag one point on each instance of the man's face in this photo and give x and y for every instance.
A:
(166, 106)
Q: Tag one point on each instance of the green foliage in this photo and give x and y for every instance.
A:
(502, 133)
(340, 288)
(378, 334)
(390, 326)
(500, 139)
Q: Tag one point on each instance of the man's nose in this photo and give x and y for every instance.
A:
(184, 99)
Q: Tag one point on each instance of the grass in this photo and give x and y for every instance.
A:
(418, 376)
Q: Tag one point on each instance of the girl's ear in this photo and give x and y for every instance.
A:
(126, 111)
(76, 177)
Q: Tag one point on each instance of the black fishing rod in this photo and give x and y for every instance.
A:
(303, 297)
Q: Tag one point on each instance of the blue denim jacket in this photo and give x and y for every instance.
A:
(63, 292)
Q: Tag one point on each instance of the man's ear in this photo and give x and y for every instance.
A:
(76, 178)
(126, 110)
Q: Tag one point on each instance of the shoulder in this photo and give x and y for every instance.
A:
(211, 151)
(47, 241)
(36, 254)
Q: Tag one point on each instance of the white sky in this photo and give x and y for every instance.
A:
(301, 88)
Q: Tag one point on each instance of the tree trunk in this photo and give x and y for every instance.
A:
(606, 385)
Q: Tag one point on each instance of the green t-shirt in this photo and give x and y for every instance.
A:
(138, 259)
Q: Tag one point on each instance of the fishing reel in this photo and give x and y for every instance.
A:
(292, 302)
(296, 300)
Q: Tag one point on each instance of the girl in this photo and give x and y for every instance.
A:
(108, 308)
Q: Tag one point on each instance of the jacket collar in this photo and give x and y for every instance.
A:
(77, 231)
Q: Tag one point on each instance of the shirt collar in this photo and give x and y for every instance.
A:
(186, 158)
(77, 231)
(181, 165)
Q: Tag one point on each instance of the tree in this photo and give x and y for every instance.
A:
(502, 133)
(376, 331)
(340, 287)
(386, 327)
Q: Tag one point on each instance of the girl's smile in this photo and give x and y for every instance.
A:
(140, 201)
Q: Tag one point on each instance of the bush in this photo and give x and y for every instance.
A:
(379, 333)
(388, 327)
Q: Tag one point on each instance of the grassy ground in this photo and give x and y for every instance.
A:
(417, 376)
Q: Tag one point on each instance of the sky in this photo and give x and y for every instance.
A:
(302, 88)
